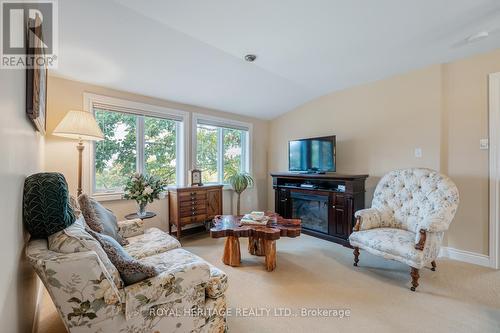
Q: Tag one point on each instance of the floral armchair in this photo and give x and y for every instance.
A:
(411, 210)
(187, 296)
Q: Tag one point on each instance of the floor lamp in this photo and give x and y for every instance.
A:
(79, 125)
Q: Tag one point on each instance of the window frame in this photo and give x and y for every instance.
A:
(246, 141)
(140, 110)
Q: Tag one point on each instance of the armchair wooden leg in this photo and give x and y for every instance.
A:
(433, 263)
(414, 278)
(356, 256)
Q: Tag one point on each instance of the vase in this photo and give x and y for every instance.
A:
(141, 209)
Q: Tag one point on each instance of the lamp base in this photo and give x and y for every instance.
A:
(80, 148)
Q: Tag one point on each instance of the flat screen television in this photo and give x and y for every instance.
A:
(314, 155)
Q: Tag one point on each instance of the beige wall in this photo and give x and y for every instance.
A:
(441, 109)
(465, 89)
(22, 154)
(61, 154)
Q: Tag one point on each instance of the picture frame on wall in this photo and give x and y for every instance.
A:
(36, 81)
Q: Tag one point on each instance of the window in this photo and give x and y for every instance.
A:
(222, 148)
(136, 139)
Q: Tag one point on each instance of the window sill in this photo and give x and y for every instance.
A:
(101, 197)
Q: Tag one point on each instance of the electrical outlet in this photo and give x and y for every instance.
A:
(484, 144)
(418, 152)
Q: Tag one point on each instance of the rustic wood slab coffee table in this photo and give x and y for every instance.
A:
(261, 239)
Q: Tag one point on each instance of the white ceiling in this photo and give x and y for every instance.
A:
(192, 51)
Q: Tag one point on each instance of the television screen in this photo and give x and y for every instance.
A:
(312, 155)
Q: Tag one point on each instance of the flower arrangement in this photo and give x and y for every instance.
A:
(144, 189)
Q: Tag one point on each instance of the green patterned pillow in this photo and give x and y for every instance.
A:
(46, 207)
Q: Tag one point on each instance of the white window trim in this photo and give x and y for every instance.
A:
(222, 122)
(144, 109)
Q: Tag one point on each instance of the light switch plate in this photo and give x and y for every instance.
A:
(418, 152)
(484, 144)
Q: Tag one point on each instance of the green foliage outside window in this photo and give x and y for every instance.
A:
(116, 156)
(160, 149)
(207, 152)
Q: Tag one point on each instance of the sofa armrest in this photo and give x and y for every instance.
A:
(168, 286)
(80, 287)
(130, 228)
(367, 219)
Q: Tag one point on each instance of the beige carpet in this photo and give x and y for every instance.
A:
(312, 273)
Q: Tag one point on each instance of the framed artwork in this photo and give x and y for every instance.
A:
(36, 82)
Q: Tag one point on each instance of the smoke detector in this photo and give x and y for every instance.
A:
(250, 57)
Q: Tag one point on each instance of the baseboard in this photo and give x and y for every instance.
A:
(465, 256)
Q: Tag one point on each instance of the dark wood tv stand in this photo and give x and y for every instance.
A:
(326, 205)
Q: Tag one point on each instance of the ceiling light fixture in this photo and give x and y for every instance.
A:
(250, 57)
(477, 36)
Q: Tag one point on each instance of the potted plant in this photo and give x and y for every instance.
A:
(144, 189)
(239, 182)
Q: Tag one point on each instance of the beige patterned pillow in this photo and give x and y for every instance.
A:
(75, 239)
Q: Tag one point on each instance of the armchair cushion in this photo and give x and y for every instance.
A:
(216, 284)
(151, 242)
(131, 270)
(398, 244)
(181, 272)
(390, 243)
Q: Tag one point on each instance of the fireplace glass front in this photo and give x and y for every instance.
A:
(312, 209)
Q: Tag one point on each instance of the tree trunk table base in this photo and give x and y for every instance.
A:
(256, 246)
(232, 255)
(261, 239)
(270, 248)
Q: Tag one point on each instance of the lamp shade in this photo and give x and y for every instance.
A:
(79, 125)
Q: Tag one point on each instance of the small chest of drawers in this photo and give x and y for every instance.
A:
(193, 204)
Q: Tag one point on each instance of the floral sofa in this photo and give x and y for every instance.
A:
(187, 296)
(411, 210)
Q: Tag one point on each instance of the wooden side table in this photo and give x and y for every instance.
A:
(149, 215)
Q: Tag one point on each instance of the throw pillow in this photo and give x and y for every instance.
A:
(99, 218)
(75, 238)
(46, 208)
(131, 270)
